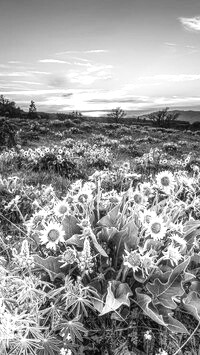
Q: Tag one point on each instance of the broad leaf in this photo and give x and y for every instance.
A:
(192, 304)
(111, 219)
(165, 293)
(145, 302)
(51, 265)
(97, 246)
(70, 226)
(172, 324)
(159, 313)
(117, 294)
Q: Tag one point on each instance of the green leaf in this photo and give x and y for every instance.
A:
(165, 293)
(117, 294)
(97, 246)
(145, 302)
(111, 219)
(172, 324)
(76, 239)
(51, 265)
(70, 226)
(131, 239)
(191, 231)
(192, 304)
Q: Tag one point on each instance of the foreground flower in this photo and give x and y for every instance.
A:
(52, 235)
(156, 228)
(165, 181)
(173, 254)
(61, 208)
(148, 335)
(68, 257)
(132, 260)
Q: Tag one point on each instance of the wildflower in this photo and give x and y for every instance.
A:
(147, 261)
(132, 260)
(85, 257)
(61, 208)
(52, 235)
(179, 240)
(148, 335)
(156, 228)
(68, 257)
(162, 352)
(173, 254)
(165, 181)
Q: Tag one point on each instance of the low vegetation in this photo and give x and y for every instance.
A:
(99, 237)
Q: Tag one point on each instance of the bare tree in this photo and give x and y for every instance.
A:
(163, 118)
(117, 114)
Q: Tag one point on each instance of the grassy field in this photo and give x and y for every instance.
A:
(99, 239)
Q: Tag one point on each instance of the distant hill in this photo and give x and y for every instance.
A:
(184, 115)
(190, 116)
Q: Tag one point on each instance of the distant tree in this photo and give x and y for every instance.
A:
(32, 112)
(75, 114)
(117, 114)
(7, 134)
(163, 118)
(8, 108)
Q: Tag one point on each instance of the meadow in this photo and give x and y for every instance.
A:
(99, 239)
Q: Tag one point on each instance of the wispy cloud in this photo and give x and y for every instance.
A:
(170, 44)
(20, 74)
(39, 72)
(14, 62)
(84, 52)
(26, 82)
(92, 73)
(171, 77)
(53, 61)
(191, 23)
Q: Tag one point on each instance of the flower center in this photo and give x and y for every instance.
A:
(133, 259)
(69, 256)
(165, 181)
(53, 235)
(62, 209)
(156, 227)
(137, 198)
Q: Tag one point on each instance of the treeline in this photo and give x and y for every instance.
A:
(162, 118)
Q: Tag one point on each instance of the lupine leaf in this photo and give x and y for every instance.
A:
(165, 293)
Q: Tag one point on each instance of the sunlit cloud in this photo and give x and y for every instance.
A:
(91, 73)
(20, 74)
(84, 52)
(39, 72)
(14, 62)
(171, 77)
(192, 23)
(26, 82)
(170, 44)
(53, 61)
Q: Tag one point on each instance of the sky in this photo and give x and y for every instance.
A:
(96, 55)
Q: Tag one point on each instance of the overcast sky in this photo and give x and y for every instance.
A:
(99, 54)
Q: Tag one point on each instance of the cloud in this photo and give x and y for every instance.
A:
(39, 72)
(20, 74)
(53, 61)
(84, 52)
(191, 23)
(91, 73)
(14, 62)
(172, 77)
(26, 82)
(170, 44)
